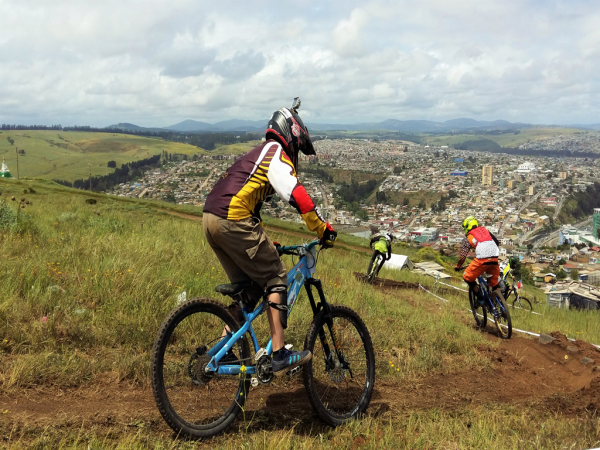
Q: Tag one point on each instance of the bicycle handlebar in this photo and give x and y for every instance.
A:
(293, 249)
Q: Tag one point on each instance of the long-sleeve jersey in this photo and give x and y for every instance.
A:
(485, 247)
(255, 177)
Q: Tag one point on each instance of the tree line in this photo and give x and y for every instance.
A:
(207, 140)
(125, 173)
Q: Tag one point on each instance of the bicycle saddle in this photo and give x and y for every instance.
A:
(234, 288)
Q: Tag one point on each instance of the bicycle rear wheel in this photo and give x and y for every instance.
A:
(477, 309)
(193, 402)
(339, 380)
(502, 316)
(524, 302)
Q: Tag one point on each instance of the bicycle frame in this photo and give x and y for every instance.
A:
(300, 275)
(483, 286)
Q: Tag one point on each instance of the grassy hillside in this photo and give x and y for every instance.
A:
(86, 286)
(70, 155)
(504, 140)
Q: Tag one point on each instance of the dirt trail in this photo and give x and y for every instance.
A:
(521, 371)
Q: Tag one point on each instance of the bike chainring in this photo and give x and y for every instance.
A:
(197, 369)
(264, 369)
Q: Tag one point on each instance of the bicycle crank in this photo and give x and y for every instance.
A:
(264, 370)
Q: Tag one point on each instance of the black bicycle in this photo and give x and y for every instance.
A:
(202, 366)
(522, 302)
(494, 304)
(374, 267)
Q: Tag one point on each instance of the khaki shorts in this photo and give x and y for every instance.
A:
(245, 251)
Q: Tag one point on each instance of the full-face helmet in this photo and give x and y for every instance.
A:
(286, 127)
(469, 223)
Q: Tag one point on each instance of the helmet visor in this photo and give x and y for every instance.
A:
(301, 132)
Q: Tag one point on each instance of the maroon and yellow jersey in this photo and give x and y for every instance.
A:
(256, 176)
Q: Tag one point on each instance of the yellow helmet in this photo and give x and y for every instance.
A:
(469, 223)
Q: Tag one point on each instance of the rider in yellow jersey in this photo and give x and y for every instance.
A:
(233, 227)
(381, 244)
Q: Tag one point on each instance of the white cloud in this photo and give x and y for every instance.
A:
(155, 63)
(347, 34)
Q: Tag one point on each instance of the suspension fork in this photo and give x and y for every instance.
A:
(323, 305)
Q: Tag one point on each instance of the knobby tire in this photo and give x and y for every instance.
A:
(524, 303)
(476, 308)
(504, 316)
(373, 270)
(357, 348)
(191, 392)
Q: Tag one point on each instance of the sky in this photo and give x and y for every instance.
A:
(156, 63)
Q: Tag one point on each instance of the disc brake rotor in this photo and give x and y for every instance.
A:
(335, 370)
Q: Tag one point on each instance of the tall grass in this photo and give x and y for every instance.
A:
(84, 295)
(85, 289)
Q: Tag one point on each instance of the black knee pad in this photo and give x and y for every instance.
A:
(282, 306)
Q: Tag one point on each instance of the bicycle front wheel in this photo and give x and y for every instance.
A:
(372, 270)
(525, 304)
(194, 402)
(339, 379)
(502, 316)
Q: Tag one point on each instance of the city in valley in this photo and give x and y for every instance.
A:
(421, 193)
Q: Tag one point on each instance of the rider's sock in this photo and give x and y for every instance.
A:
(279, 354)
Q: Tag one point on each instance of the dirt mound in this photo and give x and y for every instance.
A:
(579, 349)
(520, 370)
(586, 399)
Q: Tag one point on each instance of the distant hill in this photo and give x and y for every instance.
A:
(132, 127)
(420, 126)
(406, 126)
(190, 125)
(403, 126)
(226, 125)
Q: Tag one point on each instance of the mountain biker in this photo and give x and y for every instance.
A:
(381, 244)
(486, 255)
(234, 230)
(506, 267)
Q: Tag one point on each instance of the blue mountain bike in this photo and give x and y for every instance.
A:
(202, 366)
(493, 304)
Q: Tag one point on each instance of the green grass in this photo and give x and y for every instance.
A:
(71, 155)
(504, 140)
(87, 286)
(106, 274)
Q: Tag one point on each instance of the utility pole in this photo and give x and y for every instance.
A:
(17, 151)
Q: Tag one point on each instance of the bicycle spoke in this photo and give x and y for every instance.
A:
(198, 397)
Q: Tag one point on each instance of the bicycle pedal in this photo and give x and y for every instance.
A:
(294, 371)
